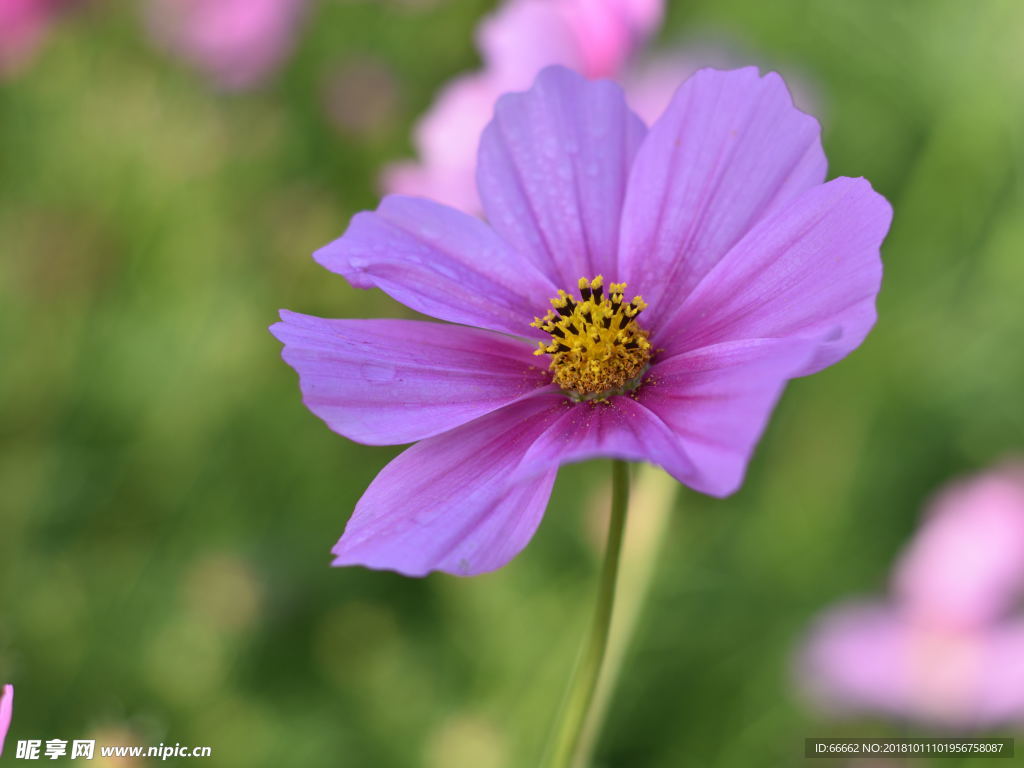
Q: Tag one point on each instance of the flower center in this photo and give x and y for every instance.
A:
(597, 349)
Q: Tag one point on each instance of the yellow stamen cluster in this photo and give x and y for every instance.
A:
(597, 349)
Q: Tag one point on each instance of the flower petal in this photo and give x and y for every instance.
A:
(237, 43)
(730, 149)
(386, 382)
(593, 37)
(718, 400)
(441, 262)
(1000, 696)
(811, 270)
(872, 657)
(552, 173)
(965, 566)
(618, 428)
(857, 658)
(609, 32)
(522, 37)
(454, 502)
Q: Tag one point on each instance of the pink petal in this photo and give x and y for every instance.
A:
(442, 263)
(728, 151)
(864, 657)
(455, 502)
(386, 382)
(856, 659)
(1001, 678)
(517, 41)
(811, 270)
(966, 565)
(466, 501)
(593, 37)
(644, 16)
(237, 43)
(23, 24)
(552, 173)
(717, 400)
(523, 36)
(618, 428)
(607, 32)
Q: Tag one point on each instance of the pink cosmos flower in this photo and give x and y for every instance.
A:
(6, 712)
(23, 25)
(237, 43)
(594, 37)
(941, 652)
(752, 269)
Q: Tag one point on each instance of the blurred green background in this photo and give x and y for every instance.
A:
(168, 505)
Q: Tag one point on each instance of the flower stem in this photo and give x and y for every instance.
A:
(584, 682)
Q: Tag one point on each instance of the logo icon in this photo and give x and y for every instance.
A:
(6, 710)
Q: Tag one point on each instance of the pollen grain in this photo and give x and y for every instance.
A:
(597, 348)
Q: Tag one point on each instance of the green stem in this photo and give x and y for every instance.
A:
(584, 682)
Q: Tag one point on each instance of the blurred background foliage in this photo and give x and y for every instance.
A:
(168, 504)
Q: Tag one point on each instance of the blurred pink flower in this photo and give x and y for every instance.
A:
(23, 25)
(943, 651)
(237, 43)
(966, 566)
(597, 38)
(6, 711)
(594, 37)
